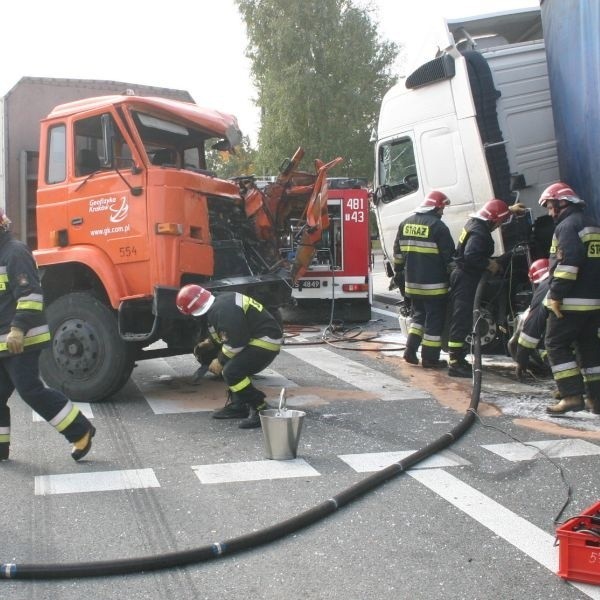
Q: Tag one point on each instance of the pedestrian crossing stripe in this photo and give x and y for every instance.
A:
(169, 393)
(254, 471)
(552, 448)
(360, 376)
(375, 461)
(96, 481)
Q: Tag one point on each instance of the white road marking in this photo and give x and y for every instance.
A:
(254, 471)
(375, 461)
(387, 313)
(160, 391)
(516, 530)
(553, 448)
(99, 481)
(84, 407)
(357, 374)
(270, 378)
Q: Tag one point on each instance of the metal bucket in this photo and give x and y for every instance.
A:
(281, 429)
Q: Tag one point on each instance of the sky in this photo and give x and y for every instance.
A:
(194, 45)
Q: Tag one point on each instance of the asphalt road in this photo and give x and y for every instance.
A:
(476, 522)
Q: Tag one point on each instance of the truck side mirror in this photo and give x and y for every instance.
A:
(382, 194)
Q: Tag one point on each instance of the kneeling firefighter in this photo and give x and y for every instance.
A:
(248, 339)
(530, 333)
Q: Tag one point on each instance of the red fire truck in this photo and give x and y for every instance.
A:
(340, 272)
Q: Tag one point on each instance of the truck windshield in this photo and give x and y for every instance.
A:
(397, 169)
(169, 143)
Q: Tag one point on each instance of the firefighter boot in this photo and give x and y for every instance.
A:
(83, 445)
(566, 404)
(592, 405)
(256, 405)
(430, 358)
(4, 448)
(410, 353)
(459, 367)
(233, 409)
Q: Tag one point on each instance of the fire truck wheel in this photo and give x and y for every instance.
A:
(88, 361)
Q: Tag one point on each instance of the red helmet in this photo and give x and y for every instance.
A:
(432, 201)
(539, 270)
(495, 211)
(559, 191)
(194, 300)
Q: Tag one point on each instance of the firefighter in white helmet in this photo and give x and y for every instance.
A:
(248, 339)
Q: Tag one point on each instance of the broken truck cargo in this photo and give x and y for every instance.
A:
(127, 212)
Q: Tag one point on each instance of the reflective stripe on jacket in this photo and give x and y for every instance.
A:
(423, 249)
(575, 262)
(21, 295)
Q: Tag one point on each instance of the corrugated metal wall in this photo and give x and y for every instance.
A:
(572, 34)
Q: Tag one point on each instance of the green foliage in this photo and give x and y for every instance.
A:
(320, 71)
(226, 164)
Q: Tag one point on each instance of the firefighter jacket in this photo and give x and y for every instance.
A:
(21, 297)
(575, 262)
(534, 325)
(475, 247)
(423, 251)
(236, 321)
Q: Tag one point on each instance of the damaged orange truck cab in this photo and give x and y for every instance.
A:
(127, 212)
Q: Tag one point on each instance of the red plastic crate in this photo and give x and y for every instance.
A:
(579, 551)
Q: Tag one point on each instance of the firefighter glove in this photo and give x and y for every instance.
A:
(215, 367)
(14, 340)
(493, 266)
(204, 346)
(517, 209)
(400, 281)
(555, 308)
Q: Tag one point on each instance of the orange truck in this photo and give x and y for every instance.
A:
(128, 211)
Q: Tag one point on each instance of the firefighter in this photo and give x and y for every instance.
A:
(532, 327)
(248, 339)
(573, 301)
(23, 333)
(423, 251)
(473, 257)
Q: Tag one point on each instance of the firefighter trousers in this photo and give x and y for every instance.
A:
(462, 295)
(21, 372)
(426, 327)
(573, 348)
(237, 372)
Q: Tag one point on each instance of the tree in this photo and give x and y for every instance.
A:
(227, 164)
(320, 71)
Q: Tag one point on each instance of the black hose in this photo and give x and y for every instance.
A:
(279, 530)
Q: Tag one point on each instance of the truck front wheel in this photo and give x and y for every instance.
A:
(88, 361)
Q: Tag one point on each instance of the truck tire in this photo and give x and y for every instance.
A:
(87, 361)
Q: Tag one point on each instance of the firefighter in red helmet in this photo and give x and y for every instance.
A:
(24, 333)
(473, 257)
(423, 251)
(532, 324)
(247, 337)
(573, 301)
